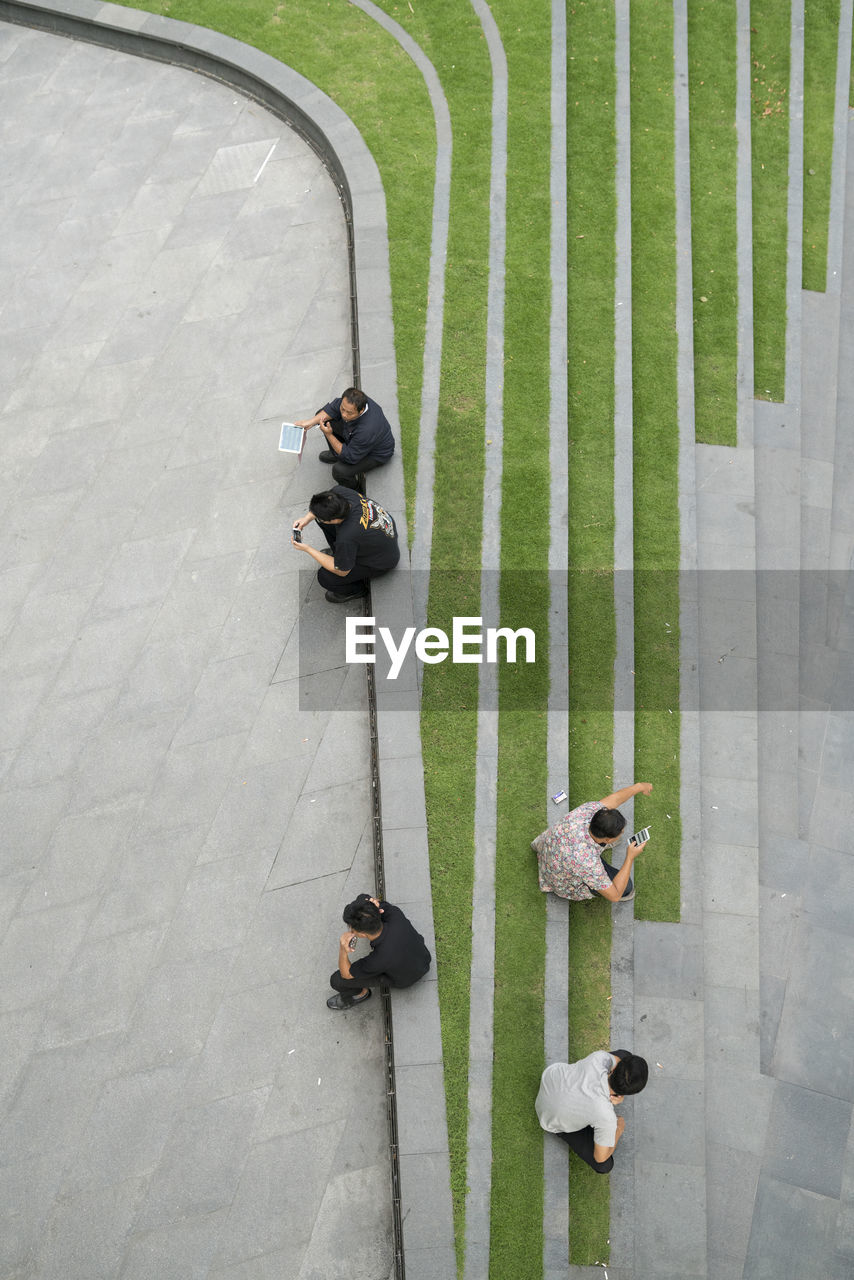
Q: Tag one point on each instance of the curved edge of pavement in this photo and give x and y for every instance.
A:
(418, 1128)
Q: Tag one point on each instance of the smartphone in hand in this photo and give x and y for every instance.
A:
(640, 837)
(296, 534)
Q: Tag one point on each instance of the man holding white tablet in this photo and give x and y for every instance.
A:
(362, 537)
(358, 436)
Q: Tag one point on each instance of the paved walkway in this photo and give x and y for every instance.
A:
(180, 827)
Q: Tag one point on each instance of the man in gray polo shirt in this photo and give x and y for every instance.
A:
(577, 1099)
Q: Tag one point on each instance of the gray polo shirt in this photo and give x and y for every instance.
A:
(574, 1095)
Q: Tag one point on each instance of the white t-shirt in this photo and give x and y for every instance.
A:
(576, 1094)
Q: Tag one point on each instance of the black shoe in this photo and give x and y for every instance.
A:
(328, 455)
(340, 1002)
(340, 597)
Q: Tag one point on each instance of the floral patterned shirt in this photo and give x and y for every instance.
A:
(569, 859)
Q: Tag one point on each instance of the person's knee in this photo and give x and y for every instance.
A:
(605, 1167)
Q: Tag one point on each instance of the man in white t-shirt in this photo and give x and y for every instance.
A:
(577, 1099)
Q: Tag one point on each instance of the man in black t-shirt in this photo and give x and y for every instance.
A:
(398, 954)
(362, 538)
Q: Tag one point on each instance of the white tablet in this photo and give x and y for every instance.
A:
(292, 439)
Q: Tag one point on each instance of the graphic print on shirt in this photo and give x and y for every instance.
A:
(374, 517)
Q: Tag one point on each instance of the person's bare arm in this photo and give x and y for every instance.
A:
(601, 1154)
(317, 421)
(625, 793)
(332, 440)
(617, 887)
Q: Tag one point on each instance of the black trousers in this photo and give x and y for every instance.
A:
(352, 985)
(581, 1141)
(351, 474)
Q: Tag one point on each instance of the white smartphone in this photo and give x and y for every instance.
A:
(640, 837)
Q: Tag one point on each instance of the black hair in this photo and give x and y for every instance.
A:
(606, 824)
(355, 397)
(329, 506)
(629, 1075)
(363, 915)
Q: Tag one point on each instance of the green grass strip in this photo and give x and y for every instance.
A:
(821, 41)
(516, 1234)
(656, 458)
(591, 264)
(714, 256)
(451, 36)
(770, 22)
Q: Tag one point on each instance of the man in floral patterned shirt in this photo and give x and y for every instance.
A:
(571, 854)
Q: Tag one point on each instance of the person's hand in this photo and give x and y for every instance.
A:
(303, 521)
(375, 901)
(346, 938)
(635, 849)
(621, 1124)
(644, 788)
(325, 427)
(300, 546)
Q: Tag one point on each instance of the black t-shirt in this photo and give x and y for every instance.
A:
(398, 954)
(368, 535)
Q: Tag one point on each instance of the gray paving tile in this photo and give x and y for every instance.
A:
(180, 1251)
(345, 811)
(23, 1186)
(772, 992)
(203, 1160)
(103, 651)
(670, 1031)
(673, 1244)
(101, 988)
(128, 1127)
(828, 893)
(280, 1192)
(226, 698)
(730, 879)
(46, 631)
(421, 1109)
(730, 1193)
(739, 1104)
(217, 905)
(28, 817)
(36, 952)
(120, 762)
(54, 1096)
(732, 1029)
(816, 1017)
(668, 960)
(669, 1120)
(174, 1013)
(85, 1233)
(807, 1134)
(731, 950)
(777, 1250)
(58, 734)
(729, 811)
(141, 573)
